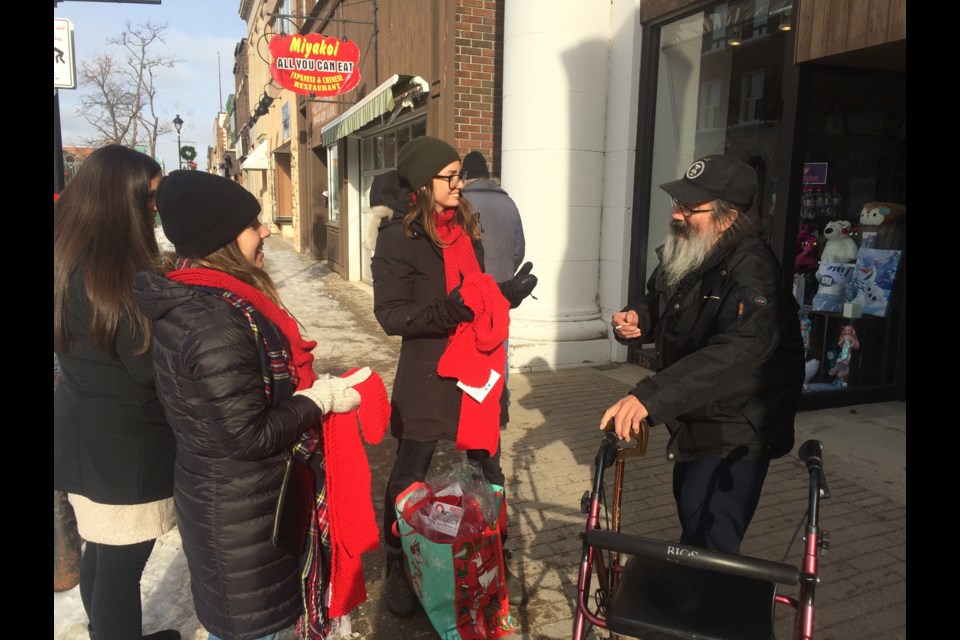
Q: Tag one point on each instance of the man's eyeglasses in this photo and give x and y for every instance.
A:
(453, 179)
(686, 211)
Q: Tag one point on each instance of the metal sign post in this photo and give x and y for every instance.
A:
(64, 77)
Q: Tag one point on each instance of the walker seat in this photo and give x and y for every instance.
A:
(659, 598)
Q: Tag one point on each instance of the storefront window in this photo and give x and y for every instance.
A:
(333, 180)
(719, 91)
(850, 269)
(378, 153)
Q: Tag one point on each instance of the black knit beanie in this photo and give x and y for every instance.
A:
(475, 165)
(422, 158)
(201, 212)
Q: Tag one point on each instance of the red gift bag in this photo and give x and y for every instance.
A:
(460, 582)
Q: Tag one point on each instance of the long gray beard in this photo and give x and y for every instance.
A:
(685, 250)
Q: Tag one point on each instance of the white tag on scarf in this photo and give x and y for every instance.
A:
(479, 393)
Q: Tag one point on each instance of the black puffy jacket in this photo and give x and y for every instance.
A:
(730, 354)
(229, 463)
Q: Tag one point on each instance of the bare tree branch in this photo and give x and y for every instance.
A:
(120, 92)
(108, 104)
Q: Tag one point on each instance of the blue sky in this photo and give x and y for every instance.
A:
(197, 30)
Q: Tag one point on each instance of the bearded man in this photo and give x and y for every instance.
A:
(729, 353)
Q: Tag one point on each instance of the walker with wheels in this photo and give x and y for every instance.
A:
(669, 590)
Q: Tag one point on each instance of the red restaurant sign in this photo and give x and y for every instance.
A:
(314, 64)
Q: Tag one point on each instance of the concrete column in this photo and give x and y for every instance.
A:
(555, 87)
(619, 163)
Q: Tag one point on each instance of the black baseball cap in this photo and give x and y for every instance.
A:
(715, 177)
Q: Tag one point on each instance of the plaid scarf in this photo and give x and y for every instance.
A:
(250, 297)
(315, 564)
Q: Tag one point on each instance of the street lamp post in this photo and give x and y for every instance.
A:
(178, 123)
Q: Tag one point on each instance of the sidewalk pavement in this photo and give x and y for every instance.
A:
(548, 449)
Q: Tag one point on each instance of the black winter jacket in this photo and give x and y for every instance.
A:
(230, 462)
(408, 278)
(111, 443)
(730, 355)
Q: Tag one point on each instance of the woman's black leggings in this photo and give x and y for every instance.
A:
(110, 588)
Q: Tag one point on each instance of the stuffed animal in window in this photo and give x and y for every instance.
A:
(877, 213)
(807, 245)
(840, 246)
(882, 225)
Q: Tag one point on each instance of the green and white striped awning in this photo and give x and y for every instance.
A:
(376, 104)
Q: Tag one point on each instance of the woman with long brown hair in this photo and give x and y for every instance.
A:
(113, 450)
(429, 288)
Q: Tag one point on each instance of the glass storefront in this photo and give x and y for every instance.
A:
(850, 264)
(719, 91)
(830, 141)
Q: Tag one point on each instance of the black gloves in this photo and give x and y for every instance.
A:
(451, 311)
(520, 287)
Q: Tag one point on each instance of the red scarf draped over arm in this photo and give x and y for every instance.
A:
(353, 525)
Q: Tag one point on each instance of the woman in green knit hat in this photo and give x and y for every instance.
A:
(428, 285)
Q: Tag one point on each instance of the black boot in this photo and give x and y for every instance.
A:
(401, 600)
(516, 589)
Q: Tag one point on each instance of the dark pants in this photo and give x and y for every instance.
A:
(411, 465)
(110, 588)
(716, 499)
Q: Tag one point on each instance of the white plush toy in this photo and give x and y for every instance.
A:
(840, 247)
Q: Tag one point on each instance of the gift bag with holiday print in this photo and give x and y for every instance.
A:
(461, 582)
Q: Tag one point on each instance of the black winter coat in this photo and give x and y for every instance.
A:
(730, 355)
(408, 279)
(230, 462)
(111, 443)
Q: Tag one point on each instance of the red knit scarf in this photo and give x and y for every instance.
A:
(353, 526)
(476, 347)
(299, 348)
(458, 255)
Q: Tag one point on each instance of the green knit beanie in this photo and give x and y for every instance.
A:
(422, 158)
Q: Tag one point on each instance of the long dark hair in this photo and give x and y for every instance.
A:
(422, 211)
(103, 228)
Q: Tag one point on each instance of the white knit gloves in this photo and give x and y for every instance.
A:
(334, 394)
